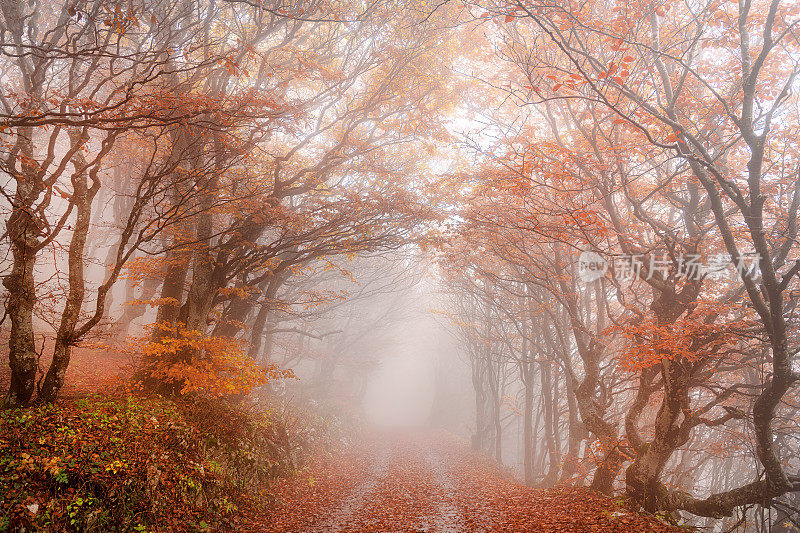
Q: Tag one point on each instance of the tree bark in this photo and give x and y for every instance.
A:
(24, 235)
(549, 437)
(82, 198)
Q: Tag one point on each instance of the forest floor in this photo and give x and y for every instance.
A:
(389, 482)
(435, 483)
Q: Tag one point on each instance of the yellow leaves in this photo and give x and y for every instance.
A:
(140, 268)
(114, 467)
(238, 292)
(156, 302)
(51, 465)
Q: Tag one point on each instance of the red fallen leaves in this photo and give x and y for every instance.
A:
(437, 484)
(310, 496)
(92, 369)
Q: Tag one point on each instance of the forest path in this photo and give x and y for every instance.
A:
(407, 487)
(428, 483)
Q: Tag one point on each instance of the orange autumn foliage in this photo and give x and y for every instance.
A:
(689, 338)
(220, 365)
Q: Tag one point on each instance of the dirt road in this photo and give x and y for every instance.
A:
(435, 484)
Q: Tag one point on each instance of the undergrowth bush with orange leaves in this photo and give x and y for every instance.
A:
(206, 365)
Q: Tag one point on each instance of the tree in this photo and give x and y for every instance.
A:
(651, 75)
(65, 104)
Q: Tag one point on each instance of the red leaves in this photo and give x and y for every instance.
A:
(616, 44)
(688, 338)
(435, 483)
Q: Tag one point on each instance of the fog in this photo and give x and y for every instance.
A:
(556, 243)
(401, 391)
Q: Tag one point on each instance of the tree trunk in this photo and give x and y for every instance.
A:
(527, 426)
(22, 297)
(258, 336)
(132, 311)
(194, 313)
(234, 317)
(179, 256)
(82, 198)
(479, 438)
(549, 437)
(172, 290)
(23, 234)
(577, 433)
(494, 383)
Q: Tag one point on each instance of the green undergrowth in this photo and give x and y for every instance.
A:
(143, 464)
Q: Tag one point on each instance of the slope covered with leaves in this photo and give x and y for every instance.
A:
(139, 464)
